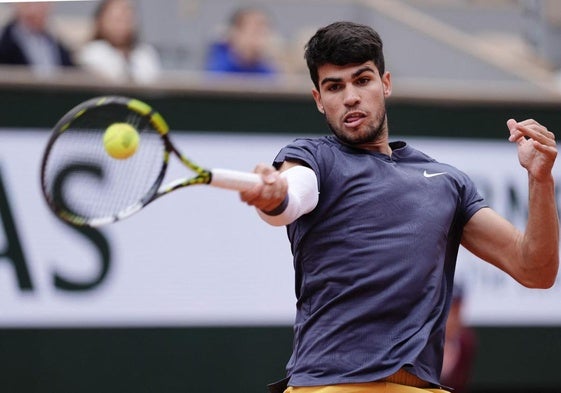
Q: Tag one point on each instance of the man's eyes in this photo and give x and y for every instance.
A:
(339, 86)
(334, 87)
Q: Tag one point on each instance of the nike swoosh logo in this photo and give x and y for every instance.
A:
(426, 174)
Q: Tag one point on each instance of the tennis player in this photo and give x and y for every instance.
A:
(375, 228)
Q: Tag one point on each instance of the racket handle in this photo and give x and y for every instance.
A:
(234, 180)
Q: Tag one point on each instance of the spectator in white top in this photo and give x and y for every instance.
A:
(115, 51)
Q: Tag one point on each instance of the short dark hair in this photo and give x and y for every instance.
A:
(343, 43)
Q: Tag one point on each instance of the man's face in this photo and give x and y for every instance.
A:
(353, 99)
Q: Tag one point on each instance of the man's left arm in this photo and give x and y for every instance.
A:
(530, 257)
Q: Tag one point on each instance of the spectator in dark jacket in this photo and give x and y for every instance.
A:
(26, 40)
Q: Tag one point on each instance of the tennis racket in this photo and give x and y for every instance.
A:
(85, 186)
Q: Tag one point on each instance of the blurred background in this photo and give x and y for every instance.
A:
(196, 293)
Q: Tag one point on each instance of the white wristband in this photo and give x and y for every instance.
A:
(302, 197)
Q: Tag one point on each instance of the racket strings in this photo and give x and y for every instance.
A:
(82, 178)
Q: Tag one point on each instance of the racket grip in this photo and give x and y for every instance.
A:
(234, 180)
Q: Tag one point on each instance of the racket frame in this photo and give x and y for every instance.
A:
(222, 178)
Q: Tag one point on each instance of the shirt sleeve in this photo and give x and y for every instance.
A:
(472, 201)
(300, 150)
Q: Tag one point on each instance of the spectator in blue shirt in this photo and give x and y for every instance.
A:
(246, 47)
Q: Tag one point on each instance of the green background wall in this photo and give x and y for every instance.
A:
(230, 359)
(268, 113)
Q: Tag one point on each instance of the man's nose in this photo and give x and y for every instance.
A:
(351, 96)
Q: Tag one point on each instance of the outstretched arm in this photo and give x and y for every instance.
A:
(271, 193)
(284, 195)
(531, 257)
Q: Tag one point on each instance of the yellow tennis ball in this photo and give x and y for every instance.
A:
(120, 140)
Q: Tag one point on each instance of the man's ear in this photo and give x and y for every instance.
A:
(387, 82)
(317, 99)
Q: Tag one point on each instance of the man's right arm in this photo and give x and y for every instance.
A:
(285, 194)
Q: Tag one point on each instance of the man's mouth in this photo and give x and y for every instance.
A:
(353, 119)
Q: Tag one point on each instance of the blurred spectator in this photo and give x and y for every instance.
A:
(247, 47)
(26, 40)
(459, 346)
(115, 52)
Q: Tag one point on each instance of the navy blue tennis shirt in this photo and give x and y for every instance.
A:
(374, 262)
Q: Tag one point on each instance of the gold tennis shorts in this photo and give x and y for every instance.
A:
(370, 387)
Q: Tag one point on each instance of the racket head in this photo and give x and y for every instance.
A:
(82, 183)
